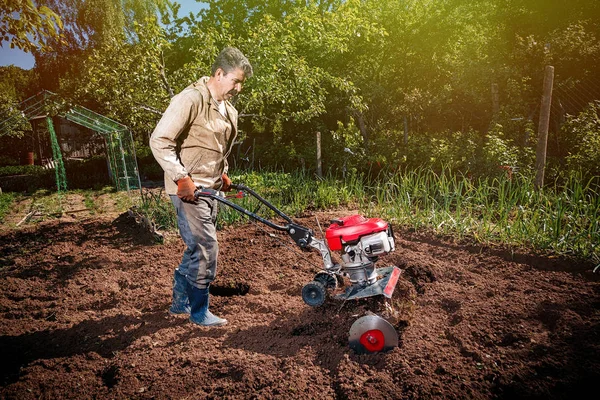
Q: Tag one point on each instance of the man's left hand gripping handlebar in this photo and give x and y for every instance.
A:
(186, 189)
(226, 187)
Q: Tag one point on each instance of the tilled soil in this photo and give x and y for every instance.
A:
(83, 315)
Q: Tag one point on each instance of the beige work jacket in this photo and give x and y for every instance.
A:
(194, 138)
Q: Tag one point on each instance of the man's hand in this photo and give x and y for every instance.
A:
(186, 189)
(226, 187)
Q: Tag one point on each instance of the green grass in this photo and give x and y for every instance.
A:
(158, 209)
(89, 202)
(293, 193)
(6, 202)
(49, 204)
(562, 218)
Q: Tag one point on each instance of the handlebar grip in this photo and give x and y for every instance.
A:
(206, 192)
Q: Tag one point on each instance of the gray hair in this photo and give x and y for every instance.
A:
(230, 59)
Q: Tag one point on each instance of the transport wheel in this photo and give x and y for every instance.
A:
(314, 293)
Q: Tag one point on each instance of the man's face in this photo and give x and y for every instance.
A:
(228, 85)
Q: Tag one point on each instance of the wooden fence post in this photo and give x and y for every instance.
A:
(495, 99)
(540, 155)
(319, 165)
(253, 147)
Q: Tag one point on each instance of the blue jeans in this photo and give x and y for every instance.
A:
(197, 229)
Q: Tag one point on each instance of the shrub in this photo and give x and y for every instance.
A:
(149, 168)
(584, 133)
(80, 174)
(12, 170)
(87, 174)
(7, 160)
(26, 178)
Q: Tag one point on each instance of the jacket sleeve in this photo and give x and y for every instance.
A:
(177, 118)
(232, 112)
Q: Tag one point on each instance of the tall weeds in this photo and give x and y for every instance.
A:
(563, 218)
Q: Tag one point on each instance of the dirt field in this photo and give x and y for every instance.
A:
(83, 315)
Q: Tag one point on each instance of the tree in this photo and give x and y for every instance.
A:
(295, 47)
(15, 84)
(128, 79)
(26, 26)
(354, 70)
(89, 25)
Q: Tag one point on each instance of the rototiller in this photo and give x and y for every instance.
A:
(360, 241)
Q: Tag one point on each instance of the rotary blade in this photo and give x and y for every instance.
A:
(372, 334)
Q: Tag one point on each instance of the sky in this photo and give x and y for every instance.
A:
(16, 57)
(24, 60)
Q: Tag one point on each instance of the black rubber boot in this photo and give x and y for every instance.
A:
(180, 304)
(200, 315)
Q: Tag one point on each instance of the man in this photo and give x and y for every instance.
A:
(191, 143)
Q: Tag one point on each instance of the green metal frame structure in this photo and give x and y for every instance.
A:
(119, 140)
(59, 165)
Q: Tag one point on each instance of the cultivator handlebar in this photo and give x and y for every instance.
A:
(301, 235)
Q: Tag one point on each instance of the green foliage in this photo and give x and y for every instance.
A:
(26, 178)
(157, 208)
(111, 81)
(33, 27)
(502, 153)
(583, 132)
(293, 193)
(353, 70)
(467, 152)
(15, 85)
(20, 170)
(560, 219)
(91, 173)
(8, 161)
(298, 191)
(80, 174)
(148, 167)
(89, 202)
(454, 150)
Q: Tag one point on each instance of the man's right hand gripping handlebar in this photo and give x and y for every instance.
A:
(186, 189)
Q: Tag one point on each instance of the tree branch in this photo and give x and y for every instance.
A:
(163, 76)
(148, 108)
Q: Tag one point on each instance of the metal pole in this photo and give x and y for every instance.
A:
(136, 168)
(123, 162)
(59, 166)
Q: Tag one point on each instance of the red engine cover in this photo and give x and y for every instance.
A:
(350, 229)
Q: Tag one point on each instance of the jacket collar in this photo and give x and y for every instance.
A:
(200, 85)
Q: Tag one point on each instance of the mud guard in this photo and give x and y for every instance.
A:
(385, 285)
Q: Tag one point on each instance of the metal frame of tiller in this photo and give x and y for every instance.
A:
(314, 293)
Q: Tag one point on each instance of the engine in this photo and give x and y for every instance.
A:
(361, 241)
